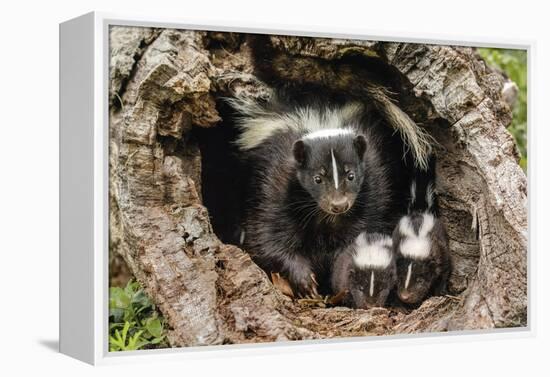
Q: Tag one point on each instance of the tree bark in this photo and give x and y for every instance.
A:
(165, 82)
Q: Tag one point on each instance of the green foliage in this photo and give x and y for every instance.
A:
(134, 323)
(514, 64)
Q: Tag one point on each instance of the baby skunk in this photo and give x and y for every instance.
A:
(317, 181)
(366, 270)
(421, 244)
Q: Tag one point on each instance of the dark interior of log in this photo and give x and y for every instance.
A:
(223, 176)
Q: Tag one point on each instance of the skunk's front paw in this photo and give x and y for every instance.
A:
(304, 283)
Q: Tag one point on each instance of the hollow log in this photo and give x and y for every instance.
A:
(164, 83)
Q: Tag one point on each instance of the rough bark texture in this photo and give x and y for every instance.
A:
(165, 82)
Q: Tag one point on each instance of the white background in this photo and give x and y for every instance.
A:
(29, 185)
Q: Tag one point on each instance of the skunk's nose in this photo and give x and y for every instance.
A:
(339, 206)
(406, 297)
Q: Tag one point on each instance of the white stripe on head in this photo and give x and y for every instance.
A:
(409, 273)
(416, 245)
(428, 222)
(416, 248)
(375, 254)
(405, 227)
(413, 191)
(334, 169)
(241, 238)
(328, 132)
(371, 286)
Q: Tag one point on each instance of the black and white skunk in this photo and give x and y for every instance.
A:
(320, 175)
(421, 243)
(366, 270)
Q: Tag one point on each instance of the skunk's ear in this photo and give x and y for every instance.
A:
(300, 151)
(360, 145)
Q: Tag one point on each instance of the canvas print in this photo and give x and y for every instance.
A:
(268, 188)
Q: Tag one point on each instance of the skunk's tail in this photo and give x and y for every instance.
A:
(422, 189)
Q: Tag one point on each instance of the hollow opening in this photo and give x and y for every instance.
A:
(224, 175)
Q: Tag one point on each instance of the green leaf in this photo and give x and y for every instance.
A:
(135, 342)
(157, 340)
(124, 332)
(118, 298)
(154, 326)
(134, 320)
(117, 314)
(140, 299)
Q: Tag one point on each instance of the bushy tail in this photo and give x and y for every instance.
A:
(415, 138)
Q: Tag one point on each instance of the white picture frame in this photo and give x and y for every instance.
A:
(84, 190)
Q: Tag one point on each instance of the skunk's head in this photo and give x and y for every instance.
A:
(330, 167)
(415, 279)
(372, 276)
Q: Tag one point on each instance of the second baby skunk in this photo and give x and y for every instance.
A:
(366, 271)
(320, 174)
(421, 243)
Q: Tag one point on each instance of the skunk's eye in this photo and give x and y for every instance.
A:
(317, 179)
(351, 176)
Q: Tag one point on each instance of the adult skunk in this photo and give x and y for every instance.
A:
(320, 175)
